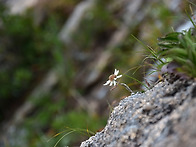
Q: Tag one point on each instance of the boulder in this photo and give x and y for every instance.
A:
(163, 116)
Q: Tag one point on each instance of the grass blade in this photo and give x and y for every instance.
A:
(137, 81)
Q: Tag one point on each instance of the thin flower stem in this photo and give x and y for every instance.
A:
(127, 87)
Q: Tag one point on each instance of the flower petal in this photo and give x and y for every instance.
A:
(115, 83)
(108, 82)
(116, 72)
(118, 76)
(111, 83)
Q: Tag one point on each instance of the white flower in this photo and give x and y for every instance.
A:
(112, 78)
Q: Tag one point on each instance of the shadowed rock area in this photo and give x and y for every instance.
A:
(162, 116)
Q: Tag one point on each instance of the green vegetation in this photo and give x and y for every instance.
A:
(30, 48)
(180, 47)
(25, 50)
(28, 51)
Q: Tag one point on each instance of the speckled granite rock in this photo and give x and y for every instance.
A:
(160, 117)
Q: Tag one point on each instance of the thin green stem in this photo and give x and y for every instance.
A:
(137, 81)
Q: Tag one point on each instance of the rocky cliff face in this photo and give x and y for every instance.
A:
(160, 117)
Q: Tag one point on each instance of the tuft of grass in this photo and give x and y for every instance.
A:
(69, 131)
(176, 47)
(148, 48)
(138, 81)
(158, 62)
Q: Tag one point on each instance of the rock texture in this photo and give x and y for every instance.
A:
(160, 117)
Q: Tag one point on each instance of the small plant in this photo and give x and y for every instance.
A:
(177, 55)
(112, 78)
(177, 52)
(112, 81)
(180, 48)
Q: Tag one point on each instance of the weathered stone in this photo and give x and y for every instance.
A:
(162, 116)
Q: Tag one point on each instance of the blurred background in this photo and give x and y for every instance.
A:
(55, 57)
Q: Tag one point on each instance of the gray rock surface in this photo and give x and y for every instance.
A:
(164, 116)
